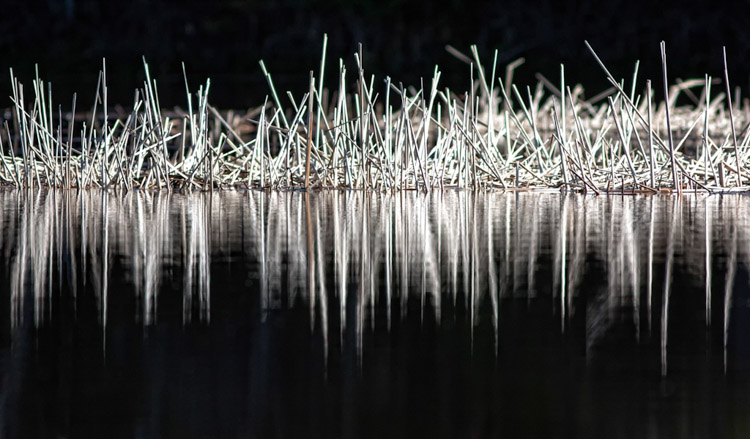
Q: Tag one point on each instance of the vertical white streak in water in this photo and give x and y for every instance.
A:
(419, 235)
(105, 267)
(140, 252)
(431, 277)
(439, 253)
(147, 239)
(187, 278)
(70, 233)
(434, 247)
(389, 254)
(38, 238)
(475, 267)
(152, 238)
(19, 268)
(265, 286)
(375, 243)
(205, 254)
(563, 258)
(403, 243)
(152, 246)
(729, 281)
(612, 266)
(133, 242)
(96, 235)
(52, 213)
(518, 246)
(370, 209)
(299, 276)
(578, 260)
(340, 259)
(364, 254)
(32, 255)
(320, 264)
(293, 244)
(506, 263)
(310, 260)
(506, 270)
(83, 200)
(533, 245)
(15, 285)
(633, 263)
(454, 218)
(708, 230)
(272, 246)
(59, 239)
(650, 262)
(668, 283)
(555, 225)
(492, 270)
(465, 246)
(621, 240)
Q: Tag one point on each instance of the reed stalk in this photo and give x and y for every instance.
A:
(384, 136)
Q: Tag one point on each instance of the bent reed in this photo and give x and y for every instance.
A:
(375, 135)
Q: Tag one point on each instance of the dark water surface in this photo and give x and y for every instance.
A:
(345, 314)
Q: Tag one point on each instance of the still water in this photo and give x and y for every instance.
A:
(347, 314)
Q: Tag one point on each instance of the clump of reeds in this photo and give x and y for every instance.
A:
(385, 136)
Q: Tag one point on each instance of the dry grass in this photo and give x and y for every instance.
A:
(380, 135)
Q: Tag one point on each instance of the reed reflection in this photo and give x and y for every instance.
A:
(360, 260)
(67, 241)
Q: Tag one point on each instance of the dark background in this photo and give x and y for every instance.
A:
(224, 39)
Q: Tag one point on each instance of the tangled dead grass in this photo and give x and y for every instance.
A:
(387, 137)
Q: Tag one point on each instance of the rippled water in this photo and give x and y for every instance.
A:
(346, 314)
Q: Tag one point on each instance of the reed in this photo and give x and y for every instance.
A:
(387, 137)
